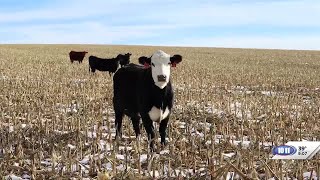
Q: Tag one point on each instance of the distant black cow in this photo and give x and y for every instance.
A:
(111, 65)
(142, 60)
(124, 59)
(77, 56)
(145, 92)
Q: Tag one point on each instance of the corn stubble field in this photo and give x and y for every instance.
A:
(231, 107)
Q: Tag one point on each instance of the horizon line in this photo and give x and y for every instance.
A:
(165, 46)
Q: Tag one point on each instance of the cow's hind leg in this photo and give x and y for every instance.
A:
(118, 123)
(119, 112)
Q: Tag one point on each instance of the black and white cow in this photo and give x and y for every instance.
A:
(145, 92)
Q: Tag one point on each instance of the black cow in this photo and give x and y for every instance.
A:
(124, 59)
(111, 65)
(145, 92)
(142, 60)
(77, 56)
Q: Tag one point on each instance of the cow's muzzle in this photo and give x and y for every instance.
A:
(162, 78)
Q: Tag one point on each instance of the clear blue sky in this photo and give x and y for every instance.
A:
(279, 24)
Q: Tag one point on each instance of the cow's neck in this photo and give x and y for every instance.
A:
(160, 96)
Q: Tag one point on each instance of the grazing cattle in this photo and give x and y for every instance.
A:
(125, 59)
(145, 92)
(110, 65)
(77, 56)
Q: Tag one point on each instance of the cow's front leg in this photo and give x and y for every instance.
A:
(162, 130)
(148, 125)
(136, 124)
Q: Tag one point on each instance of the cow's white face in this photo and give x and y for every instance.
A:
(160, 68)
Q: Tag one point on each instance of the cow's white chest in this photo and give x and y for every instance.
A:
(156, 114)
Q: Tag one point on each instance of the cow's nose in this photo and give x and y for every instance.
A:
(162, 78)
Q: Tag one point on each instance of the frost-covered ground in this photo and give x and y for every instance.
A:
(98, 139)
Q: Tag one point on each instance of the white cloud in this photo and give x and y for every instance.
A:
(305, 42)
(89, 32)
(282, 13)
(107, 22)
(71, 9)
(200, 13)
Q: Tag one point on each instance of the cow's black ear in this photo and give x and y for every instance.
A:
(144, 60)
(175, 59)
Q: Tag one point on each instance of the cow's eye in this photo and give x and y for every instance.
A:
(152, 64)
(169, 63)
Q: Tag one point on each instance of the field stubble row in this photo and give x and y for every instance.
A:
(231, 107)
